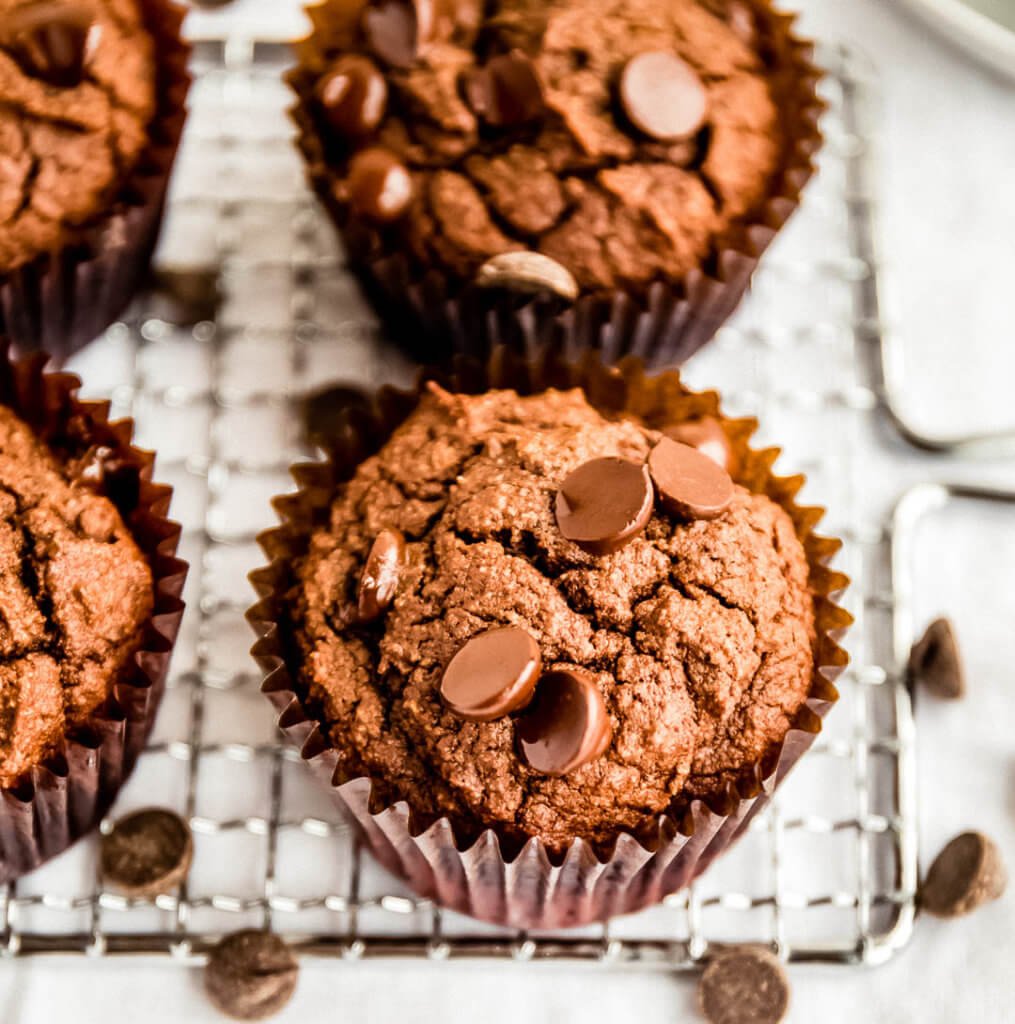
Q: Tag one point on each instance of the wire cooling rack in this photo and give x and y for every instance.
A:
(828, 873)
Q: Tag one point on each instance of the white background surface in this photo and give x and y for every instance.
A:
(948, 227)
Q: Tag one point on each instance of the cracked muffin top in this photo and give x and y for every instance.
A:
(75, 594)
(623, 139)
(77, 94)
(522, 615)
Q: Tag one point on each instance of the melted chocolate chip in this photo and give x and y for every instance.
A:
(380, 186)
(494, 674)
(967, 873)
(251, 975)
(689, 483)
(745, 985)
(935, 663)
(529, 273)
(707, 435)
(49, 41)
(147, 853)
(353, 95)
(396, 30)
(382, 570)
(663, 96)
(566, 726)
(506, 91)
(604, 504)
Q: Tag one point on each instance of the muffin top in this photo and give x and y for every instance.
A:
(624, 139)
(76, 593)
(472, 660)
(77, 93)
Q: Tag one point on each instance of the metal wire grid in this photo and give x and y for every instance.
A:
(827, 874)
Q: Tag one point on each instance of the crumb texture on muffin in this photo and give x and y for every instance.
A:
(698, 634)
(577, 181)
(67, 144)
(75, 593)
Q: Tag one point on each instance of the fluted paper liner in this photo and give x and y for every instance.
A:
(533, 887)
(67, 796)
(65, 298)
(664, 323)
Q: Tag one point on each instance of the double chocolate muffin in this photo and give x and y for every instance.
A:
(89, 609)
(524, 616)
(77, 593)
(562, 147)
(91, 109)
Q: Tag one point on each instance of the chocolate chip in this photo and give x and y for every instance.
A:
(147, 853)
(379, 185)
(251, 975)
(689, 483)
(744, 985)
(527, 272)
(494, 674)
(353, 95)
(566, 725)
(49, 41)
(324, 413)
(506, 91)
(707, 435)
(663, 96)
(604, 504)
(967, 873)
(935, 663)
(396, 30)
(382, 570)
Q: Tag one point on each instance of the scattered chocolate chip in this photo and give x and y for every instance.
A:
(506, 91)
(380, 186)
(381, 573)
(566, 725)
(353, 95)
(707, 435)
(494, 674)
(250, 975)
(967, 873)
(663, 96)
(689, 483)
(935, 663)
(527, 272)
(185, 296)
(49, 41)
(147, 853)
(604, 504)
(324, 413)
(744, 985)
(396, 30)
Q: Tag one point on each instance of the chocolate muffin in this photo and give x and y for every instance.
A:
(566, 148)
(555, 641)
(77, 592)
(90, 610)
(91, 109)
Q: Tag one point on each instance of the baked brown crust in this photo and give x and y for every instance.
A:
(65, 152)
(700, 635)
(75, 594)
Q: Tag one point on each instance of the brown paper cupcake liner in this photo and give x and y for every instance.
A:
(664, 323)
(61, 800)
(65, 298)
(534, 887)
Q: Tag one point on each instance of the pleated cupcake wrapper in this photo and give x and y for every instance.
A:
(537, 887)
(664, 323)
(65, 298)
(63, 799)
